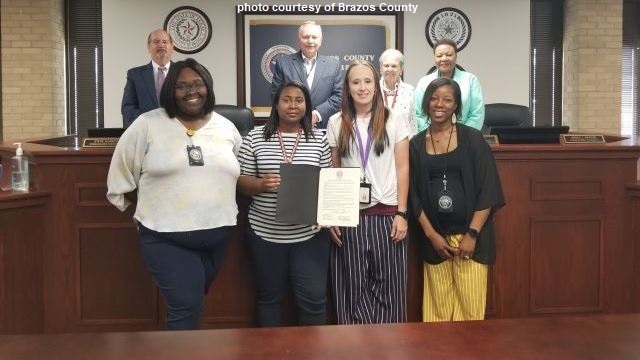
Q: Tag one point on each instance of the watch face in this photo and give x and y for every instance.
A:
(473, 233)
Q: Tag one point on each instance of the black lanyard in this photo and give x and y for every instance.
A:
(433, 143)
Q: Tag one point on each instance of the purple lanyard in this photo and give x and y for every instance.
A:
(364, 153)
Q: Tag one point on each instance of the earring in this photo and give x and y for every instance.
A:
(454, 118)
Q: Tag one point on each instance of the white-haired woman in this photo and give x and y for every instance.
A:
(397, 94)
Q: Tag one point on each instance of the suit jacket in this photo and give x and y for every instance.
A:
(139, 93)
(326, 89)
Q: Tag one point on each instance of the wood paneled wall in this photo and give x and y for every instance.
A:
(70, 261)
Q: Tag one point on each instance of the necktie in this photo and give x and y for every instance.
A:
(311, 64)
(159, 81)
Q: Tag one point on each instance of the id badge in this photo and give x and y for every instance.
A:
(365, 193)
(445, 201)
(195, 155)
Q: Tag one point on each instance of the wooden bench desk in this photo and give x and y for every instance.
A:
(585, 337)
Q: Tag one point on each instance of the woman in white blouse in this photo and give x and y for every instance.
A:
(181, 161)
(397, 95)
(369, 262)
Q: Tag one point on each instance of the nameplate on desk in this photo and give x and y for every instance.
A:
(582, 139)
(100, 142)
(491, 139)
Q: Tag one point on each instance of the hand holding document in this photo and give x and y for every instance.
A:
(311, 195)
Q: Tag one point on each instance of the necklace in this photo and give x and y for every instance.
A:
(194, 124)
(445, 197)
(434, 145)
(433, 138)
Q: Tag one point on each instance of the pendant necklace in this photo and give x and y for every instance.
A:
(445, 197)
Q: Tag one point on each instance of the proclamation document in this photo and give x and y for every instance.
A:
(338, 197)
(311, 195)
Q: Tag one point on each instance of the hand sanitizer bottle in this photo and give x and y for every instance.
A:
(19, 171)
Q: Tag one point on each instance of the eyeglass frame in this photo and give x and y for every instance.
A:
(186, 87)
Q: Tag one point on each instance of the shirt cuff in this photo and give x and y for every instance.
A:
(318, 115)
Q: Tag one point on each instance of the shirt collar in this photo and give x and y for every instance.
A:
(308, 60)
(383, 85)
(156, 66)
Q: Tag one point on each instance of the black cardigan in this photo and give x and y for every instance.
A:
(480, 179)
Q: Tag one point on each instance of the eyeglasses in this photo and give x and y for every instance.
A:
(185, 87)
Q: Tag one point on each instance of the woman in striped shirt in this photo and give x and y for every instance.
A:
(284, 253)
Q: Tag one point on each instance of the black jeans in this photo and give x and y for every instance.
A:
(183, 265)
(304, 265)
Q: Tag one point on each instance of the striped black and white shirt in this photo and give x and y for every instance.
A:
(259, 157)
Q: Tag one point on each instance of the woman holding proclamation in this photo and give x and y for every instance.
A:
(369, 262)
(181, 159)
(471, 113)
(455, 190)
(283, 255)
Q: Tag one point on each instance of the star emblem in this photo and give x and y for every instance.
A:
(448, 30)
(448, 23)
(188, 28)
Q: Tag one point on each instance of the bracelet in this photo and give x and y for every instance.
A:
(473, 233)
(402, 213)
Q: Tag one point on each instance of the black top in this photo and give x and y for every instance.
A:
(454, 222)
(480, 182)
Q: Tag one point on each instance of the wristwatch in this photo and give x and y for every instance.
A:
(402, 213)
(473, 233)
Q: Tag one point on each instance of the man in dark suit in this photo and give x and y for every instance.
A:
(321, 74)
(144, 82)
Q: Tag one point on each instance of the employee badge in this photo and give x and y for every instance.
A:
(445, 198)
(195, 155)
(445, 201)
(365, 193)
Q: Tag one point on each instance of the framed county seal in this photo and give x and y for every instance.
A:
(269, 59)
(190, 29)
(448, 23)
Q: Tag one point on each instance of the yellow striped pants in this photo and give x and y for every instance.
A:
(454, 289)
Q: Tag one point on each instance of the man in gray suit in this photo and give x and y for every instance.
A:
(321, 74)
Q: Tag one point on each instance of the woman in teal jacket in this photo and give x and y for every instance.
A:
(445, 52)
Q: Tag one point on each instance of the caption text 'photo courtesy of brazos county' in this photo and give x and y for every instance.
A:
(315, 9)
